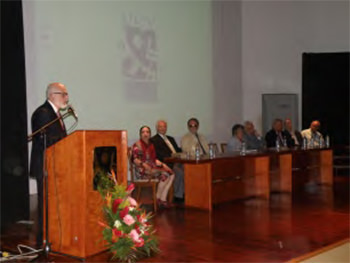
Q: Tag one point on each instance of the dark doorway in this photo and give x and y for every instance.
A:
(14, 153)
(325, 94)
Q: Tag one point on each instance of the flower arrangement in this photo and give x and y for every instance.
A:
(127, 228)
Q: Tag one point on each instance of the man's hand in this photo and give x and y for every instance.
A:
(159, 163)
(167, 169)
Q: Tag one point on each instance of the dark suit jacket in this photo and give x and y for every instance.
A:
(41, 116)
(162, 149)
(271, 137)
(297, 135)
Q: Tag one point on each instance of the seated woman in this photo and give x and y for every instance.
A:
(147, 166)
(235, 143)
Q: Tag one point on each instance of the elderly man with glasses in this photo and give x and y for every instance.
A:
(56, 100)
(166, 147)
(192, 139)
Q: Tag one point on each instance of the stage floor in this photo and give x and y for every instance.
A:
(253, 230)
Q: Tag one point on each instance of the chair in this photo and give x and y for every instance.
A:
(142, 183)
(223, 147)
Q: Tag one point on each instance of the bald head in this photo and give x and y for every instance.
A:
(54, 87)
(57, 93)
(315, 126)
(161, 127)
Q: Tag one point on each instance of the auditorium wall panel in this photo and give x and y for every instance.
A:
(274, 36)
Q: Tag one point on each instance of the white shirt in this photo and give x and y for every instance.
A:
(316, 136)
(58, 114)
(168, 143)
(292, 133)
(53, 106)
(234, 144)
(189, 142)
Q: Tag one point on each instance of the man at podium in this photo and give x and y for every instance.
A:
(56, 100)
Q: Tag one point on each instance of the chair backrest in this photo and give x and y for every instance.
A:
(131, 165)
(223, 147)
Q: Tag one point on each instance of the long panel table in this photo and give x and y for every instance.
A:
(224, 178)
(227, 177)
(312, 164)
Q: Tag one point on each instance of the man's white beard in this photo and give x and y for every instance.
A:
(64, 106)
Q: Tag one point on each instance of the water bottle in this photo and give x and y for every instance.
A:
(320, 142)
(284, 142)
(304, 143)
(278, 146)
(327, 142)
(197, 153)
(312, 142)
(211, 151)
(243, 148)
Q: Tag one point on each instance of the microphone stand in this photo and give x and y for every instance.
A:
(42, 130)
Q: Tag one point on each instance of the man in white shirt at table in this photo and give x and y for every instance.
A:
(192, 139)
(313, 136)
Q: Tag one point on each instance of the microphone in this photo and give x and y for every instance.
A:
(72, 111)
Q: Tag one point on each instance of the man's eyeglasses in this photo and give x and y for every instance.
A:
(62, 93)
(193, 125)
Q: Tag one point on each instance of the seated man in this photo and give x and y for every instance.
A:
(165, 146)
(313, 136)
(251, 137)
(276, 133)
(297, 139)
(191, 139)
(235, 143)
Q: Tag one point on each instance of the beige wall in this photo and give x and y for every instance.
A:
(274, 36)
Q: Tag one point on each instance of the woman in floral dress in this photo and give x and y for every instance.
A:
(146, 165)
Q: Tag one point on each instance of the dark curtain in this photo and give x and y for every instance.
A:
(14, 152)
(325, 94)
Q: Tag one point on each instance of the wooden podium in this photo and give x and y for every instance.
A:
(74, 206)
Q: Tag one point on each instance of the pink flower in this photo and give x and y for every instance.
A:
(137, 228)
(129, 220)
(140, 242)
(130, 188)
(132, 201)
(124, 212)
(134, 235)
(116, 204)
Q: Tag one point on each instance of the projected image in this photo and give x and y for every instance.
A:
(134, 63)
(139, 64)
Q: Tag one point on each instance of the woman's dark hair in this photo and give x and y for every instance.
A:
(193, 119)
(145, 126)
(236, 127)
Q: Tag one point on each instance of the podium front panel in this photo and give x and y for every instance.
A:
(74, 206)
